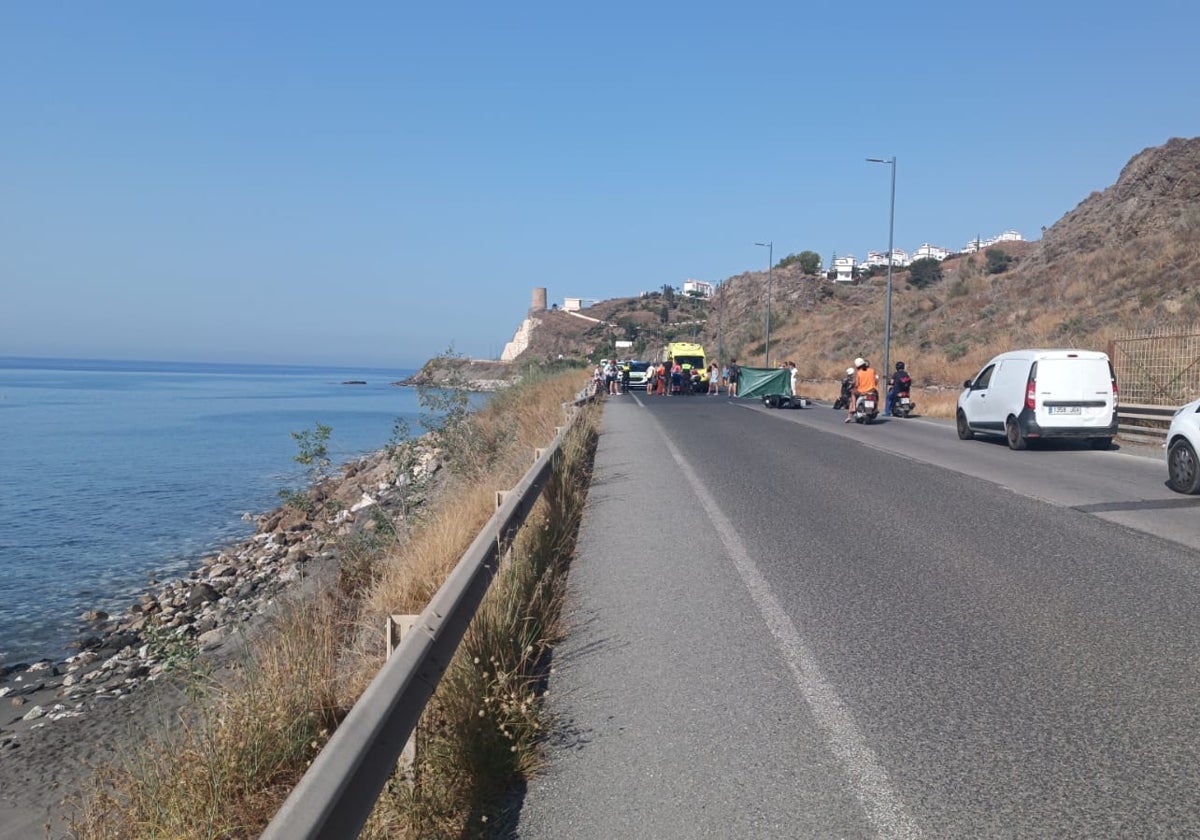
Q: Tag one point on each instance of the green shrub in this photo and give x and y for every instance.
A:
(997, 261)
(924, 272)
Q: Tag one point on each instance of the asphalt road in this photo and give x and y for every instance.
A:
(785, 626)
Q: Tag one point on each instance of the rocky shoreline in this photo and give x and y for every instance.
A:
(209, 614)
(472, 374)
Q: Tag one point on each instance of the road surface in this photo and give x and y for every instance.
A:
(786, 626)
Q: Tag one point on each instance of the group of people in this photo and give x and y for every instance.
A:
(668, 377)
(609, 378)
(862, 379)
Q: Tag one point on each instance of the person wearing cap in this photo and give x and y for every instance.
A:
(865, 381)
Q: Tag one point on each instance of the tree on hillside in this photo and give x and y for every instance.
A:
(669, 294)
(997, 261)
(925, 272)
(809, 262)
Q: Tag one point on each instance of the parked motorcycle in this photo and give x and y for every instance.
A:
(843, 400)
(866, 407)
(902, 405)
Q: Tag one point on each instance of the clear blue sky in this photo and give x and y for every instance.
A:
(370, 183)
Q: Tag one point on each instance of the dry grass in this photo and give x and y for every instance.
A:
(232, 758)
(946, 332)
(481, 731)
(932, 402)
(228, 765)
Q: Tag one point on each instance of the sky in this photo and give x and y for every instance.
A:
(371, 184)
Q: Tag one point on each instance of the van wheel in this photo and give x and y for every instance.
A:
(1101, 444)
(1183, 471)
(964, 430)
(1012, 431)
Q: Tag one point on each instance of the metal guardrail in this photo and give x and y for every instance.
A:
(336, 795)
(1144, 423)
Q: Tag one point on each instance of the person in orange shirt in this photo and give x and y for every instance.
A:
(865, 381)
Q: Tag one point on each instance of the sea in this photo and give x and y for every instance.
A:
(117, 474)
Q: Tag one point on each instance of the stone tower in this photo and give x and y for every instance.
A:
(539, 299)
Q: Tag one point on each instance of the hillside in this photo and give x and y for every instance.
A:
(1126, 258)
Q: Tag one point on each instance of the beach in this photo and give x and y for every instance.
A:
(58, 720)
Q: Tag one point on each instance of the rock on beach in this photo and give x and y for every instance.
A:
(56, 717)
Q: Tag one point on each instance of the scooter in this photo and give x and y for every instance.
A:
(866, 407)
(902, 405)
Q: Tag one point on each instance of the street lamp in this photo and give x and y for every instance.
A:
(887, 318)
(770, 246)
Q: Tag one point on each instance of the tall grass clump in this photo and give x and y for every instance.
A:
(230, 760)
(481, 732)
(225, 767)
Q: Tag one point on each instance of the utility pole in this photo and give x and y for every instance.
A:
(770, 246)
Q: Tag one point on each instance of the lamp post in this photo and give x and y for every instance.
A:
(887, 318)
(770, 246)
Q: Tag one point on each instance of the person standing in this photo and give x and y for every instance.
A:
(714, 380)
(792, 368)
(735, 373)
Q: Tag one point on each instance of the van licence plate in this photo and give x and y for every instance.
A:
(1065, 409)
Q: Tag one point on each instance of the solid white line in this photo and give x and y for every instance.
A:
(868, 779)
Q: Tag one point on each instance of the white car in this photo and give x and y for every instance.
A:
(1183, 442)
(638, 372)
(1035, 394)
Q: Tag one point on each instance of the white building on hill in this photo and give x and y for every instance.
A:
(981, 244)
(699, 287)
(927, 251)
(879, 258)
(844, 268)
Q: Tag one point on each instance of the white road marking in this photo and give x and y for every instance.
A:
(868, 779)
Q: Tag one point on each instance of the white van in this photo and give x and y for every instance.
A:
(1037, 394)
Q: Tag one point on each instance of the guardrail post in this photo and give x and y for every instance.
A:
(334, 798)
(399, 626)
(505, 552)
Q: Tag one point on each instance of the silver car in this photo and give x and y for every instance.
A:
(1183, 442)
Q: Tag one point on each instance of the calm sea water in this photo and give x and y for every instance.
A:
(114, 473)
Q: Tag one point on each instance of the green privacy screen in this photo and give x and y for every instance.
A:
(762, 382)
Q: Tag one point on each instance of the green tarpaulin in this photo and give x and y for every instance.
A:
(762, 382)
